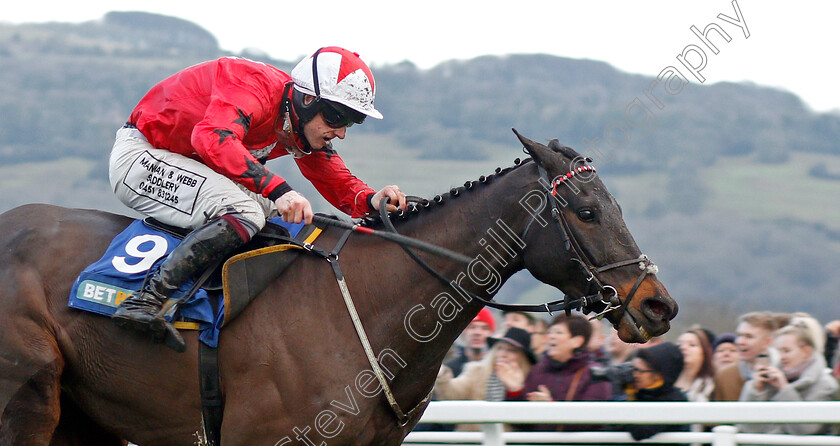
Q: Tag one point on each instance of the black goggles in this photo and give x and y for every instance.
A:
(338, 115)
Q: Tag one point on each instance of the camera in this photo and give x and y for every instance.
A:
(619, 375)
(761, 361)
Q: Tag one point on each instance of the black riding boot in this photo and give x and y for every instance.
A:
(202, 247)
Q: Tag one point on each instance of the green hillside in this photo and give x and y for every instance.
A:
(733, 191)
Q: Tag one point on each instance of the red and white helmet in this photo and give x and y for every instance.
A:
(342, 77)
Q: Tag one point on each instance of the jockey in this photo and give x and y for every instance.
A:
(193, 155)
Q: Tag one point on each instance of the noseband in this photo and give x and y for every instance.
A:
(597, 293)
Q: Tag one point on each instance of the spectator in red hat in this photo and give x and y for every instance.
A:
(474, 340)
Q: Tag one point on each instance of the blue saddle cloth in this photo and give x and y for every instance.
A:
(103, 285)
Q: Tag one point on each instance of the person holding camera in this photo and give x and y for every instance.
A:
(754, 335)
(802, 375)
(655, 371)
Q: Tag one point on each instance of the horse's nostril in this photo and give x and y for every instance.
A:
(657, 309)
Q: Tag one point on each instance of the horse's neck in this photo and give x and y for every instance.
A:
(485, 224)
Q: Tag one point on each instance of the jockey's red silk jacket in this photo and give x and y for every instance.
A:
(223, 113)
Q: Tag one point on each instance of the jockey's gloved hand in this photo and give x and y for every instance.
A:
(394, 193)
(294, 208)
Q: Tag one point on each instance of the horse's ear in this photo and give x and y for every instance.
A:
(542, 154)
(567, 151)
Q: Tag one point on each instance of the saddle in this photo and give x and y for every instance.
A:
(247, 272)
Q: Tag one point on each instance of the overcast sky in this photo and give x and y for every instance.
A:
(788, 45)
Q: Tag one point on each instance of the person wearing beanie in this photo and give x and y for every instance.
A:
(655, 370)
(474, 340)
(725, 351)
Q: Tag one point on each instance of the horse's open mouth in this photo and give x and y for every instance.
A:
(650, 318)
(632, 331)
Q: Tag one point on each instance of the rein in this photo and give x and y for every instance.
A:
(548, 307)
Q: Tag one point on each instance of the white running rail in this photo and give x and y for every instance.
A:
(491, 416)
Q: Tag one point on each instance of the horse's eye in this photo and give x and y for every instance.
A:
(586, 215)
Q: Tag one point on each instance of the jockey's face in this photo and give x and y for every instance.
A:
(318, 134)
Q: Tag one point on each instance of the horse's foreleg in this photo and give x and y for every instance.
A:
(32, 413)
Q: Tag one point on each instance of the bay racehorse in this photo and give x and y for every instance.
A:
(293, 370)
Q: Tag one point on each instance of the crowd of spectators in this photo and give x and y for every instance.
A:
(767, 357)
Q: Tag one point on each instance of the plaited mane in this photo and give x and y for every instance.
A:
(425, 205)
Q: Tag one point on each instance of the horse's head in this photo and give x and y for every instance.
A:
(577, 240)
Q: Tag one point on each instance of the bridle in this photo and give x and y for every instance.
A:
(603, 294)
(597, 294)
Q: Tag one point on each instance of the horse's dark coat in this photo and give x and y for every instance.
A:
(292, 367)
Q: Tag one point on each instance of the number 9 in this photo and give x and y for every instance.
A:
(147, 257)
